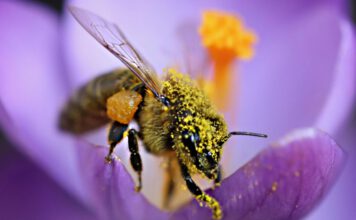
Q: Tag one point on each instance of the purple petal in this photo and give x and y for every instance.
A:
(28, 193)
(340, 203)
(111, 188)
(294, 72)
(285, 181)
(32, 89)
(298, 76)
(342, 94)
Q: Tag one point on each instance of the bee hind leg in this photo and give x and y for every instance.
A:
(116, 133)
(135, 157)
(169, 183)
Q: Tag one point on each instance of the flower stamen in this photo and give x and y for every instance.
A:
(226, 39)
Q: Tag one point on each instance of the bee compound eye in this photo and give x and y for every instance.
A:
(190, 141)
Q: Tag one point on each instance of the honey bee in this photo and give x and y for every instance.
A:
(175, 118)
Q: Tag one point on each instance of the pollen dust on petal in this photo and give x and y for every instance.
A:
(226, 39)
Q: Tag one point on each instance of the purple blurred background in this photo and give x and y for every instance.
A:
(14, 165)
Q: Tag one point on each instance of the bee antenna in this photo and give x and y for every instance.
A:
(241, 133)
(247, 133)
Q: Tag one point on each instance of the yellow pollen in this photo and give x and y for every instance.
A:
(297, 173)
(225, 36)
(126, 133)
(274, 186)
(226, 39)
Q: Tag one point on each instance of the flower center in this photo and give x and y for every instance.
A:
(226, 39)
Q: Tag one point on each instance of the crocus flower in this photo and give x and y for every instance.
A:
(302, 75)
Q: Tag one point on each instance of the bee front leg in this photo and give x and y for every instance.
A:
(135, 157)
(199, 194)
(116, 134)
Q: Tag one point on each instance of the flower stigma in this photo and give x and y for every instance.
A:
(226, 39)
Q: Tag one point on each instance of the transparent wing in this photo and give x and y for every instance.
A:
(112, 38)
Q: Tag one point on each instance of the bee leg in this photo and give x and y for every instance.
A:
(116, 134)
(199, 194)
(135, 157)
(169, 184)
(218, 177)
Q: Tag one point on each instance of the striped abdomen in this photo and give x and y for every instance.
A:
(86, 109)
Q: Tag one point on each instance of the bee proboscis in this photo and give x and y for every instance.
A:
(175, 118)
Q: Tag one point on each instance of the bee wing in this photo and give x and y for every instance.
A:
(112, 38)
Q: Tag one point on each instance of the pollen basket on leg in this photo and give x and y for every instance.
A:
(122, 106)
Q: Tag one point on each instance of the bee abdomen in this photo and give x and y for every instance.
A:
(86, 109)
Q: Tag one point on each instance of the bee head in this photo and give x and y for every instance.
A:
(200, 144)
(197, 130)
